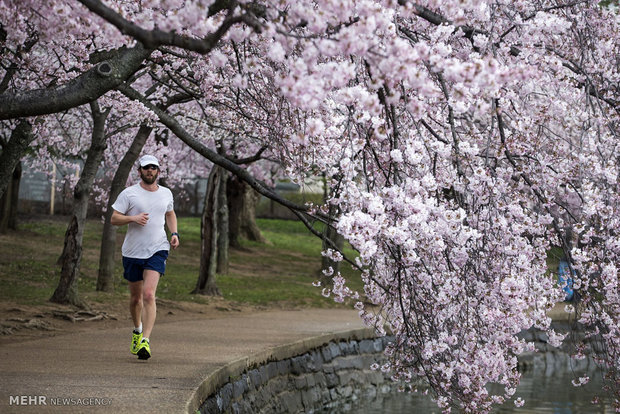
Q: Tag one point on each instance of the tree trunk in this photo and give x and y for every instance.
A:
(206, 284)
(242, 201)
(12, 152)
(66, 291)
(9, 202)
(105, 278)
(222, 225)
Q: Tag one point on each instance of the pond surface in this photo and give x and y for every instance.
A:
(546, 388)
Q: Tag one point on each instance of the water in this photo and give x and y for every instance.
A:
(546, 388)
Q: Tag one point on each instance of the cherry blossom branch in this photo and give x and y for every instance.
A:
(438, 19)
(541, 198)
(253, 158)
(174, 126)
(455, 139)
(330, 242)
(544, 9)
(433, 133)
(156, 38)
(12, 69)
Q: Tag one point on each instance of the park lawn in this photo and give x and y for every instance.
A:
(278, 274)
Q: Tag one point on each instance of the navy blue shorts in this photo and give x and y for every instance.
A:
(134, 268)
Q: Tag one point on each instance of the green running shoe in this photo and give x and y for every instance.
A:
(144, 350)
(136, 338)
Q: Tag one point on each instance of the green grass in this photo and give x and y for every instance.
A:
(277, 274)
(553, 258)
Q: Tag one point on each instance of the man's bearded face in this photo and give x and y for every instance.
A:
(149, 176)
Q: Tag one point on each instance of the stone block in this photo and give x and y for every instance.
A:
(332, 380)
(272, 369)
(350, 362)
(370, 392)
(378, 345)
(301, 383)
(300, 364)
(345, 391)
(270, 389)
(284, 367)
(291, 401)
(315, 361)
(240, 387)
(368, 359)
(334, 349)
(367, 346)
(542, 337)
(250, 399)
(255, 379)
(263, 397)
(264, 376)
(319, 379)
(280, 384)
(325, 396)
(350, 348)
(210, 407)
(326, 354)
(375, 377)
(310, 398)
(334, 395)
(351, 377)
(226, 396)
(343, 377)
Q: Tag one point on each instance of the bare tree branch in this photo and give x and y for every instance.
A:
(87, 87)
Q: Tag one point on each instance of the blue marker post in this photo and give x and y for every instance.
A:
(565, 279)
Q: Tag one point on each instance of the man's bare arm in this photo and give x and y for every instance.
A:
(119, 219)
(171, 221)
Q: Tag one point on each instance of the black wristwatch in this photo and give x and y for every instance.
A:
(175, 234)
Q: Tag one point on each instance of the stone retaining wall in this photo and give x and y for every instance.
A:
(325, 373)
(327, 376)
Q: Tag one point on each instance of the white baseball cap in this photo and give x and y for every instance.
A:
(148, 160)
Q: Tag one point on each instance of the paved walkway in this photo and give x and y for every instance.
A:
(96, 369)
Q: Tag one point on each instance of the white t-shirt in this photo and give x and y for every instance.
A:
(141, 242)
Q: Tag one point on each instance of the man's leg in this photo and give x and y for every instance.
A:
(135, 302)
(149, 311)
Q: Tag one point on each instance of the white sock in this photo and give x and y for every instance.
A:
(145, 339)
(138, 329)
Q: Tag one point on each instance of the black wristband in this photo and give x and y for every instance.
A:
(175, 234)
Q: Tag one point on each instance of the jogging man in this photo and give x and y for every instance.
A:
(145, 207)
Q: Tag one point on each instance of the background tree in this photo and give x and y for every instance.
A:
(210, 234)
(242, 202)
(9, 202)
(105, 278)
(66, 291)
